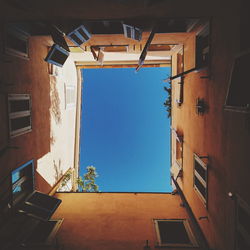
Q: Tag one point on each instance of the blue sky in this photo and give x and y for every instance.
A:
(125, 132)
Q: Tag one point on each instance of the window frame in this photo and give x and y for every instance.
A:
(201, 180)
(79, 36)
(179, 91)
(228, 107)
(20, 181)
(20, 35)
(19, 114)
(178, 141)
(202, 53)
(51, 236)
(51, 53)
(188, 230)
(133, 29)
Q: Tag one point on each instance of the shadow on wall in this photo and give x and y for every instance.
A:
(58, 170)
(55, 100)
(29, 77)
(41, 184)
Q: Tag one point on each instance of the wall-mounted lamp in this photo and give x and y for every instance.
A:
(201, 106)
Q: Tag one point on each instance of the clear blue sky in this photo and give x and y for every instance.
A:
(125, 132)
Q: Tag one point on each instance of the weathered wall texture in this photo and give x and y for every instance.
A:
(222, 135)
(105, 221)
(51, 142)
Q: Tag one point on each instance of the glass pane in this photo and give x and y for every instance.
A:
(26, 171)
(19, 105)
(83, 34)
(42, 232)
(173, 232)
(23, 190)
(76, 38)
(16, 43)
(44, 201)
(200, 187)
(128, 29)
(59, 57)
(238, 92)
(20, 122)
(137, 34)
(201, 171)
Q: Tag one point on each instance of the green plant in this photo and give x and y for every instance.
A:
(66, 178)
(87, 183)
(168, 102)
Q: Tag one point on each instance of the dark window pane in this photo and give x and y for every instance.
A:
(59, 57)
(200, 187)
(43, 200)
(83, 34)
(35, 211)
(19, 105)
(128, 29)
(27, 171)
(244, 219)
(201, 171)
(20, 122)
(16, 43)
(137, 34)
(238, 92)
(76, 39)
(173, 232)
(42, 232)
(58, 38)
(23, 190)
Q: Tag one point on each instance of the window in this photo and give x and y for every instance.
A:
(19, 114)
(242, 225)
(22, 182)
(57, 55)
(238, 96)
(179, 152)
(179, 91)
(180, 61)
(202, 47)
(70, 96)
(16, 42)
(200, 178)
(178, 148)
(58, 37)
(132, 32)
(39, 205)
(43, 234)
(79, 35)
(174, 233)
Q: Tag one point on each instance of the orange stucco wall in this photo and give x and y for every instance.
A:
(20, 76)
(222, 135)
(31, 76)
(105, 221)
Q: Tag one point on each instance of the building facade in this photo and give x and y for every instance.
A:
(206, 44)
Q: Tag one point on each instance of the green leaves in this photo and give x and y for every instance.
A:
(87, 183)
(168, 102)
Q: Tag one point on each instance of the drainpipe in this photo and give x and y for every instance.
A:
(202, 241)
